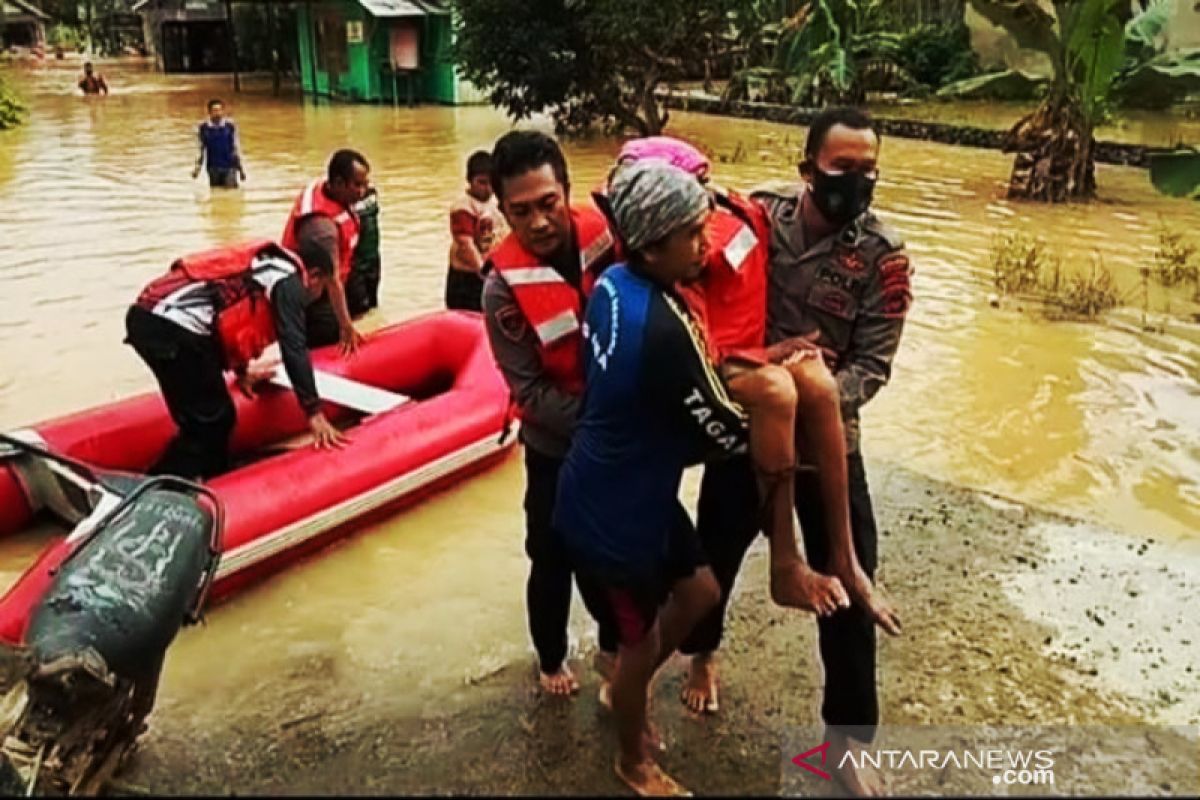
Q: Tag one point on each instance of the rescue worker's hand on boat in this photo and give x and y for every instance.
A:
(349, 340)
(325, 436)
(248, 379)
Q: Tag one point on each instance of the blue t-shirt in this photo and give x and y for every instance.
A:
(220, 144)
(653, 405)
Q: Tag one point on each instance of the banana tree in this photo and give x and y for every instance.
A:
(820, 51)
(1055, 144)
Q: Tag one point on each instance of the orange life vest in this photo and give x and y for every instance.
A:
(313, 200)
(552, 306)
(242, 320)
(731, 298)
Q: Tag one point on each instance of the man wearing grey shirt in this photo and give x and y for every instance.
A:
(532, 302)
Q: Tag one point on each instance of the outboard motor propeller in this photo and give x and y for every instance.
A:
(77, 692)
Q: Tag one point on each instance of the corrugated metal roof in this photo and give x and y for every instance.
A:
(404, 8)
(18, 8)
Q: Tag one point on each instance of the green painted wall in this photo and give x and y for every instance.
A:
(364, 77)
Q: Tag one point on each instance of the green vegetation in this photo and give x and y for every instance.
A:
(1175, 259)
(1018, 263)
(1084, 40)
(1023, 265)
(817, 52)
(1081, 295)
(589, 61)
(937, 55)
(12, 110)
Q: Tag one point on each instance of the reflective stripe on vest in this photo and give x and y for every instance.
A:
(735, 284)
(550, 304)
(527, 276)
(557, 327)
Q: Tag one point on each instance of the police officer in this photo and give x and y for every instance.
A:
(839, 272)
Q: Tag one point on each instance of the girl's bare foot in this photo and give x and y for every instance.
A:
(700, 689)
(867, 597)
(796, 585)
(861, 781)
(648, 780)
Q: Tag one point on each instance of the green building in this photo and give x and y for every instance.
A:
(380, 51)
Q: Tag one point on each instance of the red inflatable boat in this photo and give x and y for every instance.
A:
(422, 403)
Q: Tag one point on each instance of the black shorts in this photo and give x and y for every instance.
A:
(634, 596)
(220, 178)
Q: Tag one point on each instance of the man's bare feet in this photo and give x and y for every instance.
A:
(862, 781)
(700, 689)
(796, 585)
(559, 684)
(870, 599)
(652, 736)
(648, 780)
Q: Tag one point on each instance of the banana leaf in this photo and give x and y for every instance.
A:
(1007, 85)
(1176, 174)
(1163, 81)
(1026, 21)
(1142, 34)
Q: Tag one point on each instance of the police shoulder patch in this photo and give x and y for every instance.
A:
(512, 322)
(894, 275)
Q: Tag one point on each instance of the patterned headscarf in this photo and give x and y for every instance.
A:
(651, 199)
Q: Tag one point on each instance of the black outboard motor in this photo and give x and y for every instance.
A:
(88, 673)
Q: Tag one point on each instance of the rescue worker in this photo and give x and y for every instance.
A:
(538, 278)
(324, 214)
(216, 311)
(842, 275)
(729, 300)
(366, 268)
(653, 405)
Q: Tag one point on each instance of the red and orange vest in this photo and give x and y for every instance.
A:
(551, 305)
(731, 297)
(242, 322)
(314, 201)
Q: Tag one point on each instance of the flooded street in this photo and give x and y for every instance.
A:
(1100, 421)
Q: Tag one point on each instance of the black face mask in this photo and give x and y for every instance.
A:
(842, 197)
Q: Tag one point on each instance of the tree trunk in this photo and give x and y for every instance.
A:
(1055, 147)
(653, 121)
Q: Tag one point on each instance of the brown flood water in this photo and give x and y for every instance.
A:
(1098, 420)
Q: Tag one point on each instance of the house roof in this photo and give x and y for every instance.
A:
(19, 8)
(404, 8)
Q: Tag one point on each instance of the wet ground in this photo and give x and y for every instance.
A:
(965, 569)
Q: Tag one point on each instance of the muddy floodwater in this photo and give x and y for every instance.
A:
(1098, 421)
